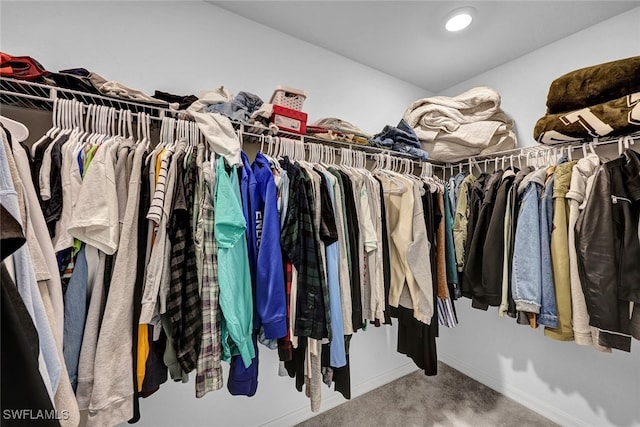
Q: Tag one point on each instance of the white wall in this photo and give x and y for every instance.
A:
(572, 385)
(184, 47)
(524, 82)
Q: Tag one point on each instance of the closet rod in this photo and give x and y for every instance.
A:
(521, 152)
(13, 90)
(41, 92)
(369, 151)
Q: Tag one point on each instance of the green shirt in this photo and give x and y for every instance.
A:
(236, 299)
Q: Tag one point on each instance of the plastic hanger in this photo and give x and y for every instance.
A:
(19, 132)
(146, 130)
(54, 118)
(139, 129)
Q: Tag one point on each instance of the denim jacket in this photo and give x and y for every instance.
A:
(548, 310)
(527, 257)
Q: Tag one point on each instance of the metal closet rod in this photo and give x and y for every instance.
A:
(45, 93)
(370, 151)
(525, 151)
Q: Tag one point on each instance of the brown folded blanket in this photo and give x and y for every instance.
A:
(594, 85)
(618, 117)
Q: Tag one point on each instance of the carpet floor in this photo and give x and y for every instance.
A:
(448, 399)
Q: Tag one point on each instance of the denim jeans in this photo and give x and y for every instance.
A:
(416, 152)
(239, 108)
(75, 310)
(402, 134)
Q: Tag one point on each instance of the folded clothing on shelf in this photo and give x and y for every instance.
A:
(452, 129)
(334, 129)
(21, 67)
(183, 101)
(401, 138)
(596, 101)
(240, 108)
(611, 118)
(594, 85)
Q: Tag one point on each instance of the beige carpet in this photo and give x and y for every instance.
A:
(448, 399)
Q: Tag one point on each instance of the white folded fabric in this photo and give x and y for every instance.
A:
(452, 129)
(215, 127)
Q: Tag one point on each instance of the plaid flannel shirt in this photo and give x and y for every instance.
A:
(209, 368)
(300, 246)
(183, 304)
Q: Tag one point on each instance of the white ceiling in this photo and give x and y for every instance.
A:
(406, 39)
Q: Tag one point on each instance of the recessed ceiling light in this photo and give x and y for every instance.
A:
(459, 19)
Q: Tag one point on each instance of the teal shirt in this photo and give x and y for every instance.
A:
(236, 298)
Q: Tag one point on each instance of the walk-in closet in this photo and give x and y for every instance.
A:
(247, 213)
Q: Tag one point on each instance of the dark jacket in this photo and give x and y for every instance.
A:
(475, 254)
(608, 248)
(475, 201)
(492, 264)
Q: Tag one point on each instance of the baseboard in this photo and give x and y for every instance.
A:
(543, 408)
(335, 398)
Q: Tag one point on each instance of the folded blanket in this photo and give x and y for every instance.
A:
(446, 113)
(459, 145)
(617, 117)
(453, 129)
(594, 85)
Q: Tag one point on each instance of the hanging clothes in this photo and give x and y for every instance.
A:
(233, 267)
(607, 247)
(22, 385)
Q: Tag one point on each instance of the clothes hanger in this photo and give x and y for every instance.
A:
(162, 141)
(146, 130)
(50, 132)
(139, 128)
(621, 146)
(104, 124)
(19, 132)
(54, 118)
(78, 119)
(120, 130)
